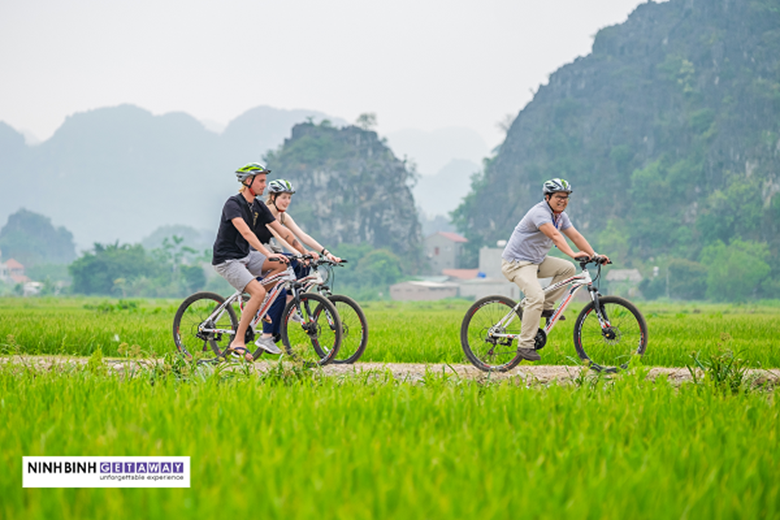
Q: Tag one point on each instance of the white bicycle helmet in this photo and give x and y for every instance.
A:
(556, 185)
(277, 186)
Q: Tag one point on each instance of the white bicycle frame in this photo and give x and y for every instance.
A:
(284, 279)
(577, 282)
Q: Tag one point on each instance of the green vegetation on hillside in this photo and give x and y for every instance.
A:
(350, 189)
(669, 131)
(31, 239)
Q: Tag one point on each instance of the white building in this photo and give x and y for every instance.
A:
(419, 290)
(442, 250)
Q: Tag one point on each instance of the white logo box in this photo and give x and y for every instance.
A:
(105, 472)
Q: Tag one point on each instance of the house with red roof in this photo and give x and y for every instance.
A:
(13, 272)
(443, 251)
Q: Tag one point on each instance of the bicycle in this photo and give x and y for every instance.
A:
(209, 321)
(353, 321)
(608, 332)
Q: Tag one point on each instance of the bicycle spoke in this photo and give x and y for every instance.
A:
(623, 335)
(354, 327)
(314, 340)
(196, 332)
(478, 334)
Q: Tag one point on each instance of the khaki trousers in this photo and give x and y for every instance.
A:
(526, 276)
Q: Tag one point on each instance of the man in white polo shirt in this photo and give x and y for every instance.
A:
(525, 259)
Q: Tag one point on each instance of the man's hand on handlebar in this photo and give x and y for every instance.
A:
(585, 258)
(278, 257)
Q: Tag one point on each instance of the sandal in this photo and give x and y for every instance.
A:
(241, 351)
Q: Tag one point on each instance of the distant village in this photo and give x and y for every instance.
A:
(444, 279)
(12, 273)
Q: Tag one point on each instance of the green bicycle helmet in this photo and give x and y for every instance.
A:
(556, 185)
(250, 170)
(277, 186)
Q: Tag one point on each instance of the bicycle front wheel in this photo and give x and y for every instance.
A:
(481, 338)
(354, 327)
(609, 346)
(196, 331)
(311, 330)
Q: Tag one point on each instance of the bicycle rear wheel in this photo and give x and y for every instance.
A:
(316, 339)
(482, 348)
(624, 335)
(194, 335)
(354, 327)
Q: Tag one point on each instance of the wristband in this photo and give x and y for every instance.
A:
(323, 251)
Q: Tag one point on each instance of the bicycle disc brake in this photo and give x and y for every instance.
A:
(611, 335)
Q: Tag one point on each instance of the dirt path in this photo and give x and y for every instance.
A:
(411, 372)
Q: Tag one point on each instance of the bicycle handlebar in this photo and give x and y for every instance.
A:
(598, 259)
(322, 260)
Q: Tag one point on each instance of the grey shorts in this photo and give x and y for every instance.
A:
(241, 271)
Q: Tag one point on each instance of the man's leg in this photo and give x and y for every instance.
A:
(524, 275)
(256, 296)
(237, 274)
(558, 269)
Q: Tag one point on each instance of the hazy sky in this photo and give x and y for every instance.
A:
(415, 63)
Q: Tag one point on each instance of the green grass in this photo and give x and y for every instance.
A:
(292, 445)
(413, 332)
(289, 443)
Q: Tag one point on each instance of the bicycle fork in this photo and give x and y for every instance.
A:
(601, 314)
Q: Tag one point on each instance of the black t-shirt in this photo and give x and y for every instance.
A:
(262, 232)
(230, 244)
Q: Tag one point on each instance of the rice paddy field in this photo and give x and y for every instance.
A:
(292, 443)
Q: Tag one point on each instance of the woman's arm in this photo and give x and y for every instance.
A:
(282, 232)
(282, 242)
(308, 239)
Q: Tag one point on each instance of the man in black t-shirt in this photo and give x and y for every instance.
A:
(239, 255)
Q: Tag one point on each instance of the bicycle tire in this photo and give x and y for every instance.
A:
(317, 339)
(608, 350)
(192, 312)
(490, 355)
(354, 327)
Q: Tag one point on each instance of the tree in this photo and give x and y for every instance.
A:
(379, 268)
(110, 268)
(366, 121)
(31, 239)
(736, 270)
(687, 280)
